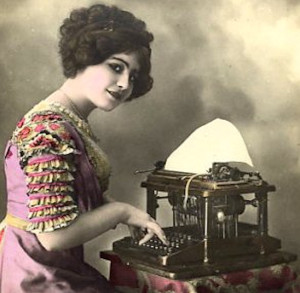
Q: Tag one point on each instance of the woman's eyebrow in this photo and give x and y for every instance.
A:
(121, 60)
(125, 62)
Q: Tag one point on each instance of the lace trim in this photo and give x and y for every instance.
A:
(49, 177)
(51, 224)
(50, 188)
(45, 211)
(40, 200)
(55, 164)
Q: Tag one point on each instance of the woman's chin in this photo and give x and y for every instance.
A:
(109, 107)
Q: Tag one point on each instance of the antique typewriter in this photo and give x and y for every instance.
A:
(207, 234)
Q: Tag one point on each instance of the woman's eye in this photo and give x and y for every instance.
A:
(116, 67)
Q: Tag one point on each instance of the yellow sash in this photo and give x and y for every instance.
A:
(13, 221)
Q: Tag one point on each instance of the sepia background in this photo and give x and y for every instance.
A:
(237, 60)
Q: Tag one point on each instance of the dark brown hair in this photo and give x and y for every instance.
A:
(91, 35)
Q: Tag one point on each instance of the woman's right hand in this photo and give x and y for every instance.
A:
(140, 219)
(93, 223)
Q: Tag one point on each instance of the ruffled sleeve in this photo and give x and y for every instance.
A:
(46, 151)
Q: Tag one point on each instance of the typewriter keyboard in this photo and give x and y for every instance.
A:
(177, 241)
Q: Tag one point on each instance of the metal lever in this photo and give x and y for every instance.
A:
(158, 166)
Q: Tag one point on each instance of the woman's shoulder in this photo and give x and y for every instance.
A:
(42, 118)
(42, 130)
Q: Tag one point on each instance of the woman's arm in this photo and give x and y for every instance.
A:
(47, 154)
(94, 223)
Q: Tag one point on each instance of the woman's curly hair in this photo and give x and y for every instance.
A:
(91, 35)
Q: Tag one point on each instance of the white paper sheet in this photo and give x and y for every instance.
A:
(217, 141)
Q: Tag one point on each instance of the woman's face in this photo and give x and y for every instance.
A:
(110, 83)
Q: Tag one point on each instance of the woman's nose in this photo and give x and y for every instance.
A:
(123, 81)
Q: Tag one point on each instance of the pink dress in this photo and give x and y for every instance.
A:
(54, 172)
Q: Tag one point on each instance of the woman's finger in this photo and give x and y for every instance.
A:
(147, 237)
(158, 231)
(134, 232)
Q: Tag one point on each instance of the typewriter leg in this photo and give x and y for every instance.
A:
(151, 202)
(262, 213)
(207, 227)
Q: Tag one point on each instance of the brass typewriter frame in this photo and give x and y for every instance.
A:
(210, 256)
(169, 182)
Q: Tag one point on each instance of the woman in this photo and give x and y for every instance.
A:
(57, 174)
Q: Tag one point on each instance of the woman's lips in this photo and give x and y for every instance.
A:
(116, 95)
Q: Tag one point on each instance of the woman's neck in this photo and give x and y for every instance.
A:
(69, 96)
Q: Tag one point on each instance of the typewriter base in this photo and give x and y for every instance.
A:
(200, 251)
(184, 272)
